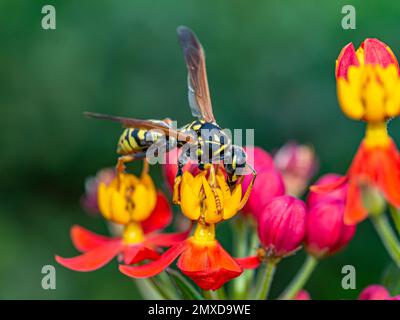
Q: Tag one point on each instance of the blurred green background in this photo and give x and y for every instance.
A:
(270, 67)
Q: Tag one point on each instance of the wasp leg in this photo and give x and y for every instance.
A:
(249, 188)
(212, 180)
(178, 179)
(145, 169)
(128, 158)
(233, 180)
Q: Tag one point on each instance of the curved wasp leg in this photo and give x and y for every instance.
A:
(233, 180)
(249, 188)
(145, 169)
(120, 167)
(212, 181)
(178, 178)
(128, 158)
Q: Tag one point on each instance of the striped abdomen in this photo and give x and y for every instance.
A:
(134, 140)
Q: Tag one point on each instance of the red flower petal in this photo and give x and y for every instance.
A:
(389, 179)
(377, 52)
(380, 167)
(153, 268)
(249, 262)
(347, 58)
(209, 266)
(339, 194)
(85, 240)
(166, 239)
(160, 217)
(329, 187)
(138, 253)
(92, 260)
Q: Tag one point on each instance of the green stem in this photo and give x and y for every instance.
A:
(165, 286)
(265, 284)
(396, 217)
(387, 236)
(250, 273)
(148, 290)
(221, 294)
(215, 295)
(240, 240)
(210, 295)
(300, 279)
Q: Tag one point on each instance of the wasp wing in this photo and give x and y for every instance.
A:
(144, 124)
(198, 92)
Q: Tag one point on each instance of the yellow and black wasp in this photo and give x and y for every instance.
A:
(203, 140)
(139, 135)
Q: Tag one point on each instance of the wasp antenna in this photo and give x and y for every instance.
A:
(95, 115)
(89, 114)
(254, 172)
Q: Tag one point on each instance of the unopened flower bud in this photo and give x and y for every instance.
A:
(269, 182)
(374, 292)
(89, 199)
(326, 232)
(281, 225)
(297, 163)
(268, 185)
(302, 295)
(337, 194)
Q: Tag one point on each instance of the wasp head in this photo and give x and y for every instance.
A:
(235, 163)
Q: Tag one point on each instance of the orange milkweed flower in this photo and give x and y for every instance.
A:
(134, 203)
(201, 257)
(368, 88)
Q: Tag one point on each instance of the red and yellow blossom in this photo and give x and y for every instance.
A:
(134, 203)
(210, 199)
(368, 87)
(207, 200)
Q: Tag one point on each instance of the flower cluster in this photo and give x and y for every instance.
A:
(269, 218)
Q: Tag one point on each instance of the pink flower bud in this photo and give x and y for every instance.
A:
(326, 232)
(298, 164)
(268, 185)
(374, 292)
(269, 182)
(281, 225)
(302, 295)
(338, 194)
(89, 199)
(258, 158)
